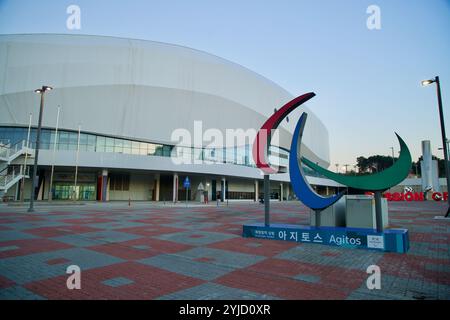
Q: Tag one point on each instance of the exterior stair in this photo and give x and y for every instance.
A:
(10, 152)
(11, 174)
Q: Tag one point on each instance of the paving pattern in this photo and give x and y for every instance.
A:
(150, 251)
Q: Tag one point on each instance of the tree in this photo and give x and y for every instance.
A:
(362, 164)
(379, 163)
(376, 163)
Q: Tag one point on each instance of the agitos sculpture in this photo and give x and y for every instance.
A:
(388, 240)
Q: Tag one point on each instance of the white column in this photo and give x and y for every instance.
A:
(76, 193)
(328, 190)
(104, 196)
(281, 192)
(175, 187)
(157, 186)
(222, 189)
(287, 191)
(256, 190)
(50, 188)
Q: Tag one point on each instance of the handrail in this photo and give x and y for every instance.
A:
(18, 171)
(2, 170)
(4, 151)
(7, 150)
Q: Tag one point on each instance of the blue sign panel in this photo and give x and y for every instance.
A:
(186, 183)
(391, 240)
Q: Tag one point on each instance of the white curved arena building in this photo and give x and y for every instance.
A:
(127, 98)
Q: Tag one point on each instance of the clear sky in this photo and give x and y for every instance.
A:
(367, 81)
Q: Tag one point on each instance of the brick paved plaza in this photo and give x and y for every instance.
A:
(149, 251)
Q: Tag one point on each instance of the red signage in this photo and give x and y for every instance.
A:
(415, 196)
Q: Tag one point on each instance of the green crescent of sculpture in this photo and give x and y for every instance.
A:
(374, 182)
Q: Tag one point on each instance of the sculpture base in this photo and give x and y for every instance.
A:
(390, 240)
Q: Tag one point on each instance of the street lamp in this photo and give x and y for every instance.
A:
(345, 167)
(40, 91)
(444, 138)
(448, 148)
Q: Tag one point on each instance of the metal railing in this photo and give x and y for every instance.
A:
(13, 173)
(8, 150)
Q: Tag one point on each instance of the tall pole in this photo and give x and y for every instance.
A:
(76, 163)
(346, 166)
(378, 211)
(444, 139)
(266, 200)
(22, 186)
(392, 148)
(36, 150)
(50, 189)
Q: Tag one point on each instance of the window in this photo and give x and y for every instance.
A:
(127, 146)
(109, 146)
(32, 137)
(73, 140)
(16, 135)
(63, 141)
(68, 140)
(100, 145)
(83, 141)
(143, 148)
(151, 149)
(120, 182)
(52, 139)
(158, 150)
(83, 138)
(135, 148)
(45, 139)
(167, 150)
(91, 141)
(118, 145)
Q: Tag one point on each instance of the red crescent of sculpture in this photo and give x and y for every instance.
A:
(264, 135)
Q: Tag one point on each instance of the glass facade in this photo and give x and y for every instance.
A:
(68, 140)
(66, 191)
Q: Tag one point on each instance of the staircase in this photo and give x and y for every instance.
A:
(10, 152)
(10, 174)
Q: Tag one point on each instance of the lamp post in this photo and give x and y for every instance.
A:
(346, 168)
(444, 138)
(41, 91)
(448, 148)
